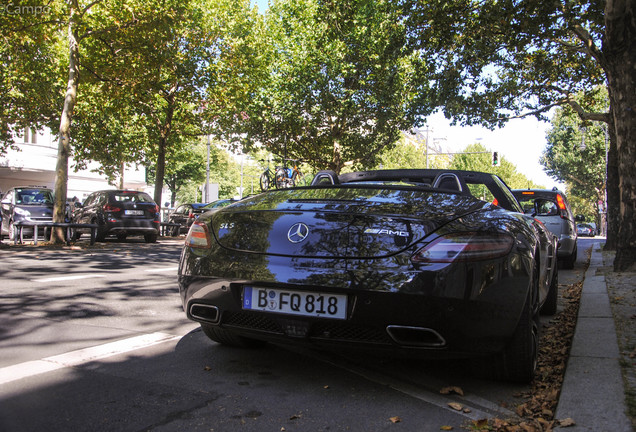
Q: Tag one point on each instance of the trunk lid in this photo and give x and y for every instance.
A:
(343, 222)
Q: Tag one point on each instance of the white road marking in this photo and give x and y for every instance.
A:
(163, 269)
(74, 358)
(67, 278)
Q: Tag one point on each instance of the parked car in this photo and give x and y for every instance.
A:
(393, 261)
(585, 230)
(184, 215)
(28, 203)
(120, 213)
(552, 208)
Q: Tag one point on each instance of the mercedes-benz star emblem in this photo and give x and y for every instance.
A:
(298, 232)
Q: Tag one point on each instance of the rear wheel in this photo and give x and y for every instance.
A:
(75, 234)
(11, 231)
(100, 235)
(264, 182)
(150, 238)
(568, 263)
(280, 178)
(518, 361)
(298, 179)
(224, 337)
(550, 305)
(175, 231)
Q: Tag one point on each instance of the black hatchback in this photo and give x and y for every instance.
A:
(120, 213)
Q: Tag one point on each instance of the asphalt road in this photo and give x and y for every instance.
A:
(96, 340)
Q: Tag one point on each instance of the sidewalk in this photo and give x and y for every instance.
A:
(593, 394)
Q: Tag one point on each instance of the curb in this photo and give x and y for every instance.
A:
(592, 393)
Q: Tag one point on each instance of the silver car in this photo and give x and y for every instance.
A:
(552, 208)
(25, 204)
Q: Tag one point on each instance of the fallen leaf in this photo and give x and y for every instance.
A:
(446, 428)
(207, 368)
(326, 387)
(566, 422)
(499, 423)
(452, 389)
(481, 424)
(456, 406)
(395, 419)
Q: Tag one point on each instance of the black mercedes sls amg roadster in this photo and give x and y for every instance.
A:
(431, 263)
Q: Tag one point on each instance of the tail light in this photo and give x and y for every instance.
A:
(561, 204)
(191, 215)
(111, 208)
(198, 236)
(462, 247)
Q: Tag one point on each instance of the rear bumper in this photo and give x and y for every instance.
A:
(414, 324)
(132, 227)
(567, 245)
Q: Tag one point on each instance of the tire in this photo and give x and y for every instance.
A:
(224, 337)
(75, 235)
(518, 361)
(150, 238)
(175, 231)
(550, 305)
(298, 179)
(264, 180)
(100, 234)
(280, 178)
(568, 263)
(11, 231)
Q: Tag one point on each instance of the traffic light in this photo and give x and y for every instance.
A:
(495, 159)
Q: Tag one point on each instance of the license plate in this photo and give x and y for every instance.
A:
(134, 212)
(295, 302)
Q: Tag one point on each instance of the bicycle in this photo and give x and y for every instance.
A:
(289, 177)
(269, 178)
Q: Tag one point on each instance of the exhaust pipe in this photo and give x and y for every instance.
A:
(416, 336)
(205, 313)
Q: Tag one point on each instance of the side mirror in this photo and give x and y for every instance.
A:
(77, 204)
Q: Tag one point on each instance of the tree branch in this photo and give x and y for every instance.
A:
(588, 41)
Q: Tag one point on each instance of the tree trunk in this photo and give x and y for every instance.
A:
(619, 49)
(165, 129)
(121, 175)
(613, 193)
(161, 169)
(64, 143)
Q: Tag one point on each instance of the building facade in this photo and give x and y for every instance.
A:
(35, 161)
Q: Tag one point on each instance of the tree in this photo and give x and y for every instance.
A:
(163, 76)
(522, 57)
(577, 155)
(80, 22)
(108, 131)
(30, 65)
(337, 89)
(476, 157)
